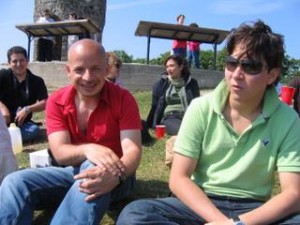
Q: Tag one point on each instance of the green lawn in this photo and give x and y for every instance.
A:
(152, 174)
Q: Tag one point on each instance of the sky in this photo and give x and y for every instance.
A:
(123, 16)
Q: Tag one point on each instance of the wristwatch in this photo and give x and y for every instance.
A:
(237, 221)
(27, 110)
(122, 178)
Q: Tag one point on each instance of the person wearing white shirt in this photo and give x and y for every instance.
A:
(45, 44)
(72, 38)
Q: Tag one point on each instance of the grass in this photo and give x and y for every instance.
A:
(152, 175)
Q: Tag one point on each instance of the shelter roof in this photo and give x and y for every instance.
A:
(66, 27)
(180, 32)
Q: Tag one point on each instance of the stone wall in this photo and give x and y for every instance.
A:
(134, 76)
(94, 10)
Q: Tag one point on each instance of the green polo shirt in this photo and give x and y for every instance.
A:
(236, 165)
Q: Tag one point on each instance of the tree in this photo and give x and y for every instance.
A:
(140, 61)
(221, 55)
(290, 68)
(161, 59)
(207, 59)
(125, 58)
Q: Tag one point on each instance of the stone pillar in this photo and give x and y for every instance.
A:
(95, 10)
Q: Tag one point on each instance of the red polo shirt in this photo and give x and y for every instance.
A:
(117, 110)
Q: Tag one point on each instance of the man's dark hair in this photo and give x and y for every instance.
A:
(180, 15)
(16, 50)
(259, 42)
(194, 25)
(73, 14)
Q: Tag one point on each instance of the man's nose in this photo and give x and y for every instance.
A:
(238, 72)
(87, 74)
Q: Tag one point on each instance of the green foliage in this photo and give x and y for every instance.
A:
(290, 68)
(161, 59)
(207, 59)
(125, 58)
(220, 65)
(140, 61)
(155, 61)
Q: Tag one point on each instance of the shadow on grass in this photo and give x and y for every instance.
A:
(144, 190)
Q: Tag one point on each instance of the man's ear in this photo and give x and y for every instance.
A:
(68, 70)
(273, 75)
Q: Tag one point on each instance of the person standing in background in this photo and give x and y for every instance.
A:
(178, 46)
(193, 51)
(72, 38)
(45, 44)
(84, 34)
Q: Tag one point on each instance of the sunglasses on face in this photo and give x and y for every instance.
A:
(249, 66)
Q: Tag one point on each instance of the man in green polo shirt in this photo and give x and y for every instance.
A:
(230, 145)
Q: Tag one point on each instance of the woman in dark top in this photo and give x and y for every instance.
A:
(171, 95)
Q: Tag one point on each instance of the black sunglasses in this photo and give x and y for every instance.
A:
(249, 66)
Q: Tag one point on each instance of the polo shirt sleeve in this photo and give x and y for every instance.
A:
(55, 118)
(288, 159)
(130, 116)
(192, 129)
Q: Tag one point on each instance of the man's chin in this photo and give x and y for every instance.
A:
(89, 93)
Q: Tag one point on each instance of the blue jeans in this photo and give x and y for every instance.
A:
(172, 124)
(180, 52)
(26, 190)
(193, 56)
(29, 131)
(171, 211)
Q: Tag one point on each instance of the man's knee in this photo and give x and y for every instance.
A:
(131, 211)
(13, 180)
(86, 165)
(30, 131)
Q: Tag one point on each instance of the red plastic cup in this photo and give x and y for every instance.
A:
(287, 94)
(160, 131)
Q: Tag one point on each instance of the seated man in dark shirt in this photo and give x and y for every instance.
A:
(21, 93)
